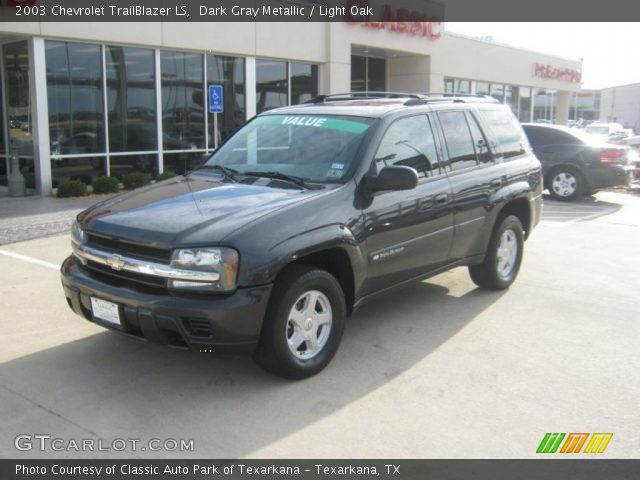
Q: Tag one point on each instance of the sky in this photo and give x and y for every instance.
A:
(609, 50)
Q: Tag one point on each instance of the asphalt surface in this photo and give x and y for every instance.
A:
(440, 369)
(26, 218)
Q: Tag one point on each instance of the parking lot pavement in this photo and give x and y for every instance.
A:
(438, 369)
(25, 218)
(586, 209)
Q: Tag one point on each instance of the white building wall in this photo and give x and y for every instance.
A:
(622, 105)
(325, 43)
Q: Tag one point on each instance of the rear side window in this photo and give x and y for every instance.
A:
(509, 137)
(410, 142)
(541, 137)
(457, 136)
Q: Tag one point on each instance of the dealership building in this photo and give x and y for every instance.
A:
(81, 100)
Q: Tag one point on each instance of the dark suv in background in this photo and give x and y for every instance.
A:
(575, 163)
(303, 215)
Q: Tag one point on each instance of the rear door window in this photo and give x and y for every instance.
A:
(479, 140)
(458, 140)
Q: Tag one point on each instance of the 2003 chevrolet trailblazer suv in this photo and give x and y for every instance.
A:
(302, 216)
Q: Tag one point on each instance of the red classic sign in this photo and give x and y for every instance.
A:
(550, 72)
(401, 20)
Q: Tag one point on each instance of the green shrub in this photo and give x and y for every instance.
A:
(84, 178)
(106, 185)
(166, 175)
(136, 180)
(73, 188)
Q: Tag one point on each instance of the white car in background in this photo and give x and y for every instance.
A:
(610, 132)
(634, 143)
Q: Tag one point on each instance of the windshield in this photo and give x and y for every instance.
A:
(316, 148)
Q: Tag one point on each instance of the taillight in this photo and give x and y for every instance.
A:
(612, 157)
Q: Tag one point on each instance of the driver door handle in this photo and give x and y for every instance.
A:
(496, 183)
(442, 198)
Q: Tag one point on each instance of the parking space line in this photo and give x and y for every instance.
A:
(24, 258)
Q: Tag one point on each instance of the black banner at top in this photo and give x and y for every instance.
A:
(402, 13)
(205, 469)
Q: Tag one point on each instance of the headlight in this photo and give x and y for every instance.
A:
(221, 260)
(77, 234)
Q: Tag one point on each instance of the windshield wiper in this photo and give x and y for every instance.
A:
(280, 176)
(228, 172)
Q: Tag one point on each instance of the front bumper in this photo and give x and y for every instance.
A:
(199, 322)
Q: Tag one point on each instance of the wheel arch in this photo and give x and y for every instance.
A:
(337, 262)
(332, 248)
(519, 207)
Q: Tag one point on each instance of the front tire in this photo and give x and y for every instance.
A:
(503, 258)
(304, 323)
(565, 184)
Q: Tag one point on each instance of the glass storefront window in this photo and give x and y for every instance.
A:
(2, 132)
(3, 172)
(524, 112)
(131, 99)
(482, 88)
(304, 82)
(377, 73)
(182, 100)
(271, 85)
(228, 72)
(544, 102)
(511, 94)
(83, 169)
(462, 86)
(16, 64)
(358, 73)
(122, 164)
(368, 74)
(497, 92)
(75, 94)
(448, 85)
(183, 162)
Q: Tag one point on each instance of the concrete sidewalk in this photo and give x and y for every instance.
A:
(25, 218)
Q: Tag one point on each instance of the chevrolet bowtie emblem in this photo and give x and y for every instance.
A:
(115, 262)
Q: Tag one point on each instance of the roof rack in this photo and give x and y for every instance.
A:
(362, 96)
(429, 97)
(412, 98)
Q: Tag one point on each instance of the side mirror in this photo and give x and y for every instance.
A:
(393, 178)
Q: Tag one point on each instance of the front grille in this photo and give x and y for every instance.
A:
(125, 248)
(124, 276)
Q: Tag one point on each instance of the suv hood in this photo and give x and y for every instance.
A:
(196, 209)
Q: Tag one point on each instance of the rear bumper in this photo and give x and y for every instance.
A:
(610, 176)
(198, 322)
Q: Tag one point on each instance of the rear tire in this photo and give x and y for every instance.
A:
(565, 184)
(304, 323)
(503, 258)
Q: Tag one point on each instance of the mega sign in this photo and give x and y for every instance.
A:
(550, 72)
(395, 19)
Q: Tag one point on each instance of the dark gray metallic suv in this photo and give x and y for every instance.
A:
(303, 215)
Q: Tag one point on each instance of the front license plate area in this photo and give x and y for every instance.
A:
(106, 311)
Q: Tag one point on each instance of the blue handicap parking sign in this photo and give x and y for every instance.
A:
(215, 99)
